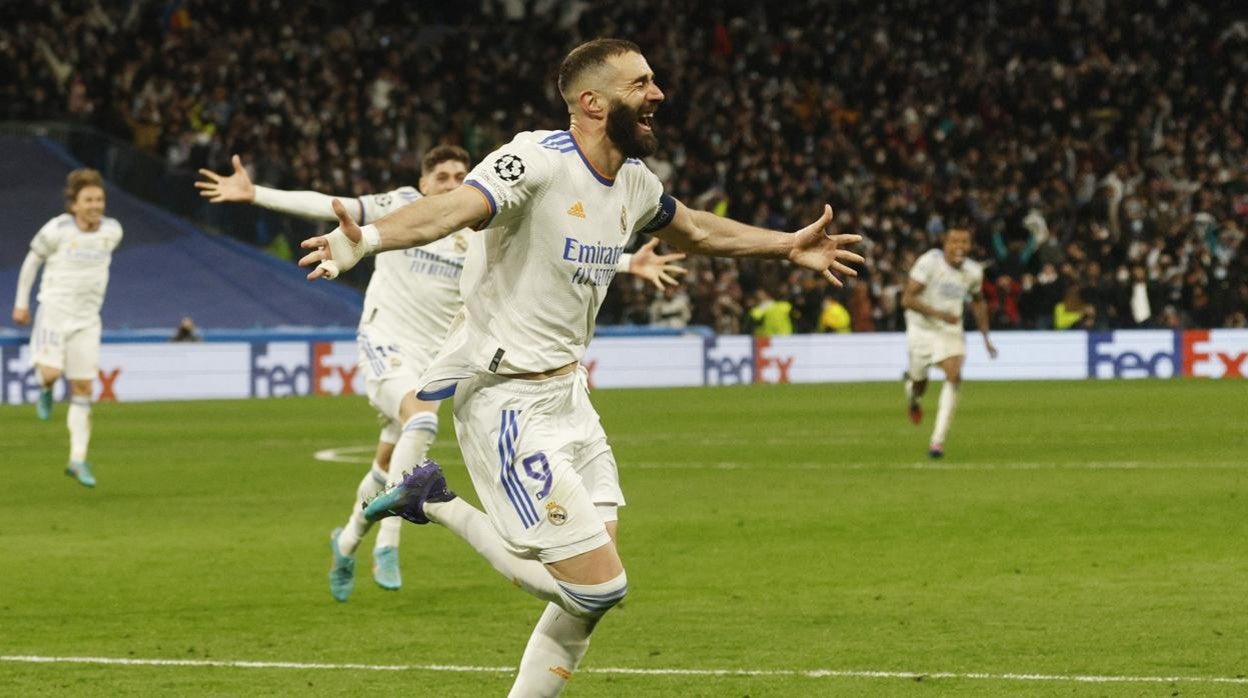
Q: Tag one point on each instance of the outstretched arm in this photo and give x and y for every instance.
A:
(979, 308)
(238, 187)
(811, 248)
(26, 281)
(418, 223)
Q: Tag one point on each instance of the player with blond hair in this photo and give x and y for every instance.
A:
(77, 247)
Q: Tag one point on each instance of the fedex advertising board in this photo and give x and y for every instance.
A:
(224, 370)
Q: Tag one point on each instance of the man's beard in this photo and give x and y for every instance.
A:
(624, 130)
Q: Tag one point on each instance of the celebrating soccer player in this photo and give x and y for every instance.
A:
(411, 300)
(78, 248)
(940, 281)
(556, 209)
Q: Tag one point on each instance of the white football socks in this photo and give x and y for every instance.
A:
(79, 423)
(374, 482)
(555, 649)
(944, 413)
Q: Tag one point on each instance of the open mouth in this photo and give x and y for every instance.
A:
(646, 121)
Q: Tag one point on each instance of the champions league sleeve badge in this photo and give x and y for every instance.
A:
(509, 168)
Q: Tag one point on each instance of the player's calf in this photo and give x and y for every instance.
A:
(561, 638)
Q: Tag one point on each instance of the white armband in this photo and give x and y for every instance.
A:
(625, 261)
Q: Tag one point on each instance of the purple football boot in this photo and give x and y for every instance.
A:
(407, 499)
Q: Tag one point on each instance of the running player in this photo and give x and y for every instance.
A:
(557, 207)
(411, 300)
(78, 248)
(940, 281)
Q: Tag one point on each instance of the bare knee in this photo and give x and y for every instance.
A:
(81, 388)
(592, 583)
(597, 566)
(952, 369)
(411, 406)
(48, 375)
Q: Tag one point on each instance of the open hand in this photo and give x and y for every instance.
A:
(336, 252)
(658, 269)
(236, 187)
(814, 249)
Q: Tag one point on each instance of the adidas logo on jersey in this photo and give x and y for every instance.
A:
(578, 210)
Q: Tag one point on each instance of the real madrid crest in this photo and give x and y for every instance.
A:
(556, 514)
(461, 243)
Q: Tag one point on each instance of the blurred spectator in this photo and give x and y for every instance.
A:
(671, 309)
(1140, 297)
(1072, 312)
(771, 317)
(186, 331)
(861, 312)
(835, 317)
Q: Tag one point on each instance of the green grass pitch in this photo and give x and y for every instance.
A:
(1095, 529)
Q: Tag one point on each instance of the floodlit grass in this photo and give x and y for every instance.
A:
(1075, 528)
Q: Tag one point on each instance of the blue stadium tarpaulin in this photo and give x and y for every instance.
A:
(166, 267)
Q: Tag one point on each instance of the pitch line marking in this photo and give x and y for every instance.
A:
(346, 454)
(465, 669)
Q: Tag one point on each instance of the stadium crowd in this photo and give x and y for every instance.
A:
(1095, 148)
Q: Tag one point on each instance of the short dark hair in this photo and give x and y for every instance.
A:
(79, 180)
(444, 153)
(589, 55)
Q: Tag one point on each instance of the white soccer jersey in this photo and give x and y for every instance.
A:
(374, 207)
(556, 233)
(945, 288)
(76, 272)
(414, 293)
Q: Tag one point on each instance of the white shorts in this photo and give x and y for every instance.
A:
(928, 348)
(539, 461)
(391, 367)
(70, 347)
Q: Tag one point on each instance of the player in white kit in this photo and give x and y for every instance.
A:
(940, 281)
(78, 250)
(411, 300)
(556, 208)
